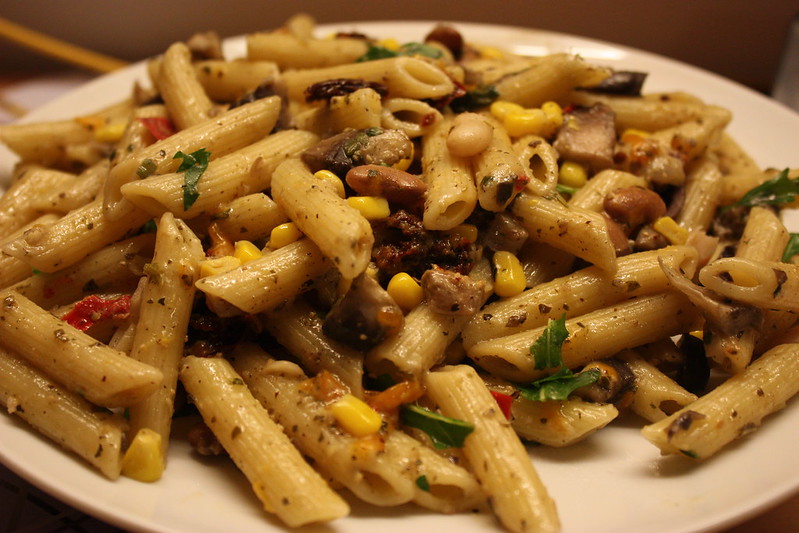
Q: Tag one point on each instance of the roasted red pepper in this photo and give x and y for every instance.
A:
(504, 401)
(93, 309)
(159, 127)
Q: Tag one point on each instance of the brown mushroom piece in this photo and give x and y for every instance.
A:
(588, 136)
(364, 316)
(616, 381)
(504, 232)
(396, 186)
(370, 146)
(632, 207)
(451, 293)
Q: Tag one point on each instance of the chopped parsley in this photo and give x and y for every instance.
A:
(547, 353)
(776, 191)
(422, 483)
(476, 98)
(444, 431)
(792, 248)
(193, 166)
(407, 49)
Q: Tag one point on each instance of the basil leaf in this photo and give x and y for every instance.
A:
(559, 385)
(792, 248)
(546, 349)
(376, 52)
(776, 191)
(475, 99)
(422, 483)
(412, 49)
(193, 166)
(444, 431)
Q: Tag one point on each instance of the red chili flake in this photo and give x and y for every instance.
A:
(93, 309)
(504, 401)
(159, 127)
(521, 183)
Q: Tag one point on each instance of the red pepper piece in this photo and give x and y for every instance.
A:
(159, 127)
(504, 401)
(93, 309)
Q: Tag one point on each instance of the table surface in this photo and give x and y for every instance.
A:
(24, 508)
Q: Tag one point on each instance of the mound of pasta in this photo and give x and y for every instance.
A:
(383, 267)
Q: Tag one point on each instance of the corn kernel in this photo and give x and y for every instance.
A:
(633, 136)
(332, 179)
(554, 114)
(405, 291)
(355, 416)
(110, 132)
(509, 279)
(246, 251)
(371, 207)
(218, 265)
(699, 334)
(144, 460)
(526, 122)
(501, 108)
(467, 232)
(390, 43)
(572, 174)
(92, 122)
(284, 234)
(491, 52)
(667, 227)
(404, 163)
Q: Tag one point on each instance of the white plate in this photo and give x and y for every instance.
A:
(616, 481)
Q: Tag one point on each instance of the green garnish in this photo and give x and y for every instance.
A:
(546, 349)
(475, 99)
(193, 166)
(547, 353)
(422, 483)
(792, 248)
(146, 168)
(407, 49)
(444, 431)
(565, 189)
(776, 191)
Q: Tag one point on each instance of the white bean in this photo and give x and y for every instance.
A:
(470, 135)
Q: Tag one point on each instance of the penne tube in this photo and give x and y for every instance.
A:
(541, 161)
(14, 269)
(766, 284)
(594, 335)
(498, 171)
(263, 284)
(286, 485)
(340, 231)
(495, 453)
(46, 143)
(244, 171)
(184, 96)
(60, 414)
(702, 189)
(578, 231)
(100, 374)
(655, 395)
(414, 117)
(251, 217)
(560, 423)
(291, 51)
(167, 300)
(228, 81)
(592, 195)
(731, 410)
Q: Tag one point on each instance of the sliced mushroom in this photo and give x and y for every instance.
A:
(371, 146)
(588, 136)
(616, 380)
(396, 186)
(364, 316)
(504, 232)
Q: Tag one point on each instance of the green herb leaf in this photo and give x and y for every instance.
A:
(445, 432)
(421, 49)
(547, 347)
(776, 191)
(193, 166)
(565, 189)
(559, 385)
(475, 99)
(376, 52)
(792, 248)
(422, 483)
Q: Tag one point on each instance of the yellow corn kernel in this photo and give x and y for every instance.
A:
(467, 232)
(633, 136)
(490, 52)
(90, 121)
(371, 207)
(405, 291)
(246, 251)
(144, 461)
(526, 122)
(390, 43)
(110, 132)
(335, 181)
(218, 265)
(509, 279)
(667, 227)
(403, 164)
(699, 334)
(501, 108)
(572, 174)
(554, 114)
(355, 416)
(284, 234)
